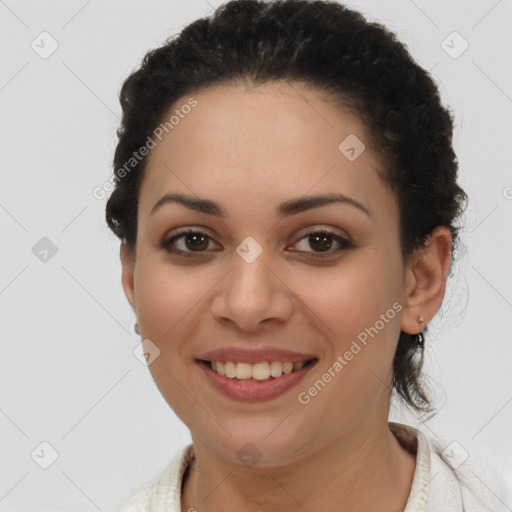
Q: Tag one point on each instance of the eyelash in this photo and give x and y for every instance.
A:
(343, 242)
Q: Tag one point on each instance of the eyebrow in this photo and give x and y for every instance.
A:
(286, 209)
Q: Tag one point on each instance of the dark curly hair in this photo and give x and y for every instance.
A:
(358, 64)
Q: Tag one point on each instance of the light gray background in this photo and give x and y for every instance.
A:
(68, 373)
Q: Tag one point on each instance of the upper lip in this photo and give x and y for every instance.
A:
(252, 356)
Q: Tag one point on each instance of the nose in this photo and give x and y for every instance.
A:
(252, 294)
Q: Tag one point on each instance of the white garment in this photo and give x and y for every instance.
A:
(445, 480)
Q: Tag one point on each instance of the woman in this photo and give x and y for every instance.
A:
(286, 197)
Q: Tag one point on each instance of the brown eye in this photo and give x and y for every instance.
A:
(322, 242)
(187, 243)
(196, 241)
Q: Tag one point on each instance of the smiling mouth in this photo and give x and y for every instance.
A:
(259, 372)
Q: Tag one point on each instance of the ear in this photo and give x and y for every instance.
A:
(425, 280)
(128, 267)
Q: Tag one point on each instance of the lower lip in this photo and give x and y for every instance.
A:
(254, 391)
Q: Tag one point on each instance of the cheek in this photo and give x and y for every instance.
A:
(168, 302)
(350, 298)
(357, 309)
(165, 294)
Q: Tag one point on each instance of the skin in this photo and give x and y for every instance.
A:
(249, 149)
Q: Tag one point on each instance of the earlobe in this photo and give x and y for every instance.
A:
(426, 280)
(127, 279)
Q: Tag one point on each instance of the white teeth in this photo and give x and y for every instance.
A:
(243, 371)
(287, 367)
(276, 368)
(259, 371)
(230, 369)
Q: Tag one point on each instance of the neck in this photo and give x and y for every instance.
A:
(366, 469)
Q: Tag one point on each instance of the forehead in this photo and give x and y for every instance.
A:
(263, 144)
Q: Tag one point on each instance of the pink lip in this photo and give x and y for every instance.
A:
(252, 390)
(253, 356)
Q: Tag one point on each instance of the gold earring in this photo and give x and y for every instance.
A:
(418, 338)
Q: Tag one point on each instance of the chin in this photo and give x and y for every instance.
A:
(262, 444)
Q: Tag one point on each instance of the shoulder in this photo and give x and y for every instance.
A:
(164, 491)
(459, 475)
(452, 479)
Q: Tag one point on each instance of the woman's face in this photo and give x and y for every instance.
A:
(254, 278)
